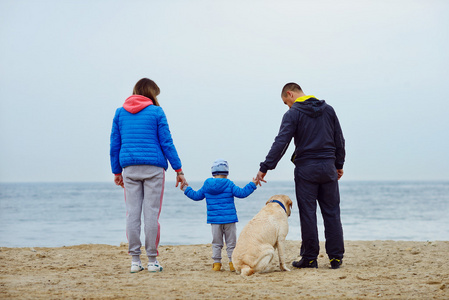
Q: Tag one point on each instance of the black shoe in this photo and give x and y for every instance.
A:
(335, 263)
(305, 263)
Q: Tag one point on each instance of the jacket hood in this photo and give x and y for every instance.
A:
(136, 103)
(311, 107)
(215, 186)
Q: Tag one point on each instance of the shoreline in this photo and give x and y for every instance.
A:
(202, 244)
(371, 269)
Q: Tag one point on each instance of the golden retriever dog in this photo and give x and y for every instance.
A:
(256, 245)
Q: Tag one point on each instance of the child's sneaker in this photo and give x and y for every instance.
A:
(136, 267)
(231, 267)
(154, 267)
(216, 267)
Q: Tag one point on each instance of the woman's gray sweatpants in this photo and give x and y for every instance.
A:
(229, 231)
(144, 190)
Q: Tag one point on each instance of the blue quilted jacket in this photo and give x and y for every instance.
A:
(219, 194)
(141, 136)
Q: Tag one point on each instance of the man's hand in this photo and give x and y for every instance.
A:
(259, 178)
(180, 179)
(340, 173)
(118, 179)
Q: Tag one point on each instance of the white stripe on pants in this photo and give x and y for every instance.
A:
(144, 190)
(230, 233)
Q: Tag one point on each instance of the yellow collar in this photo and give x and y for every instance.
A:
(304, 98)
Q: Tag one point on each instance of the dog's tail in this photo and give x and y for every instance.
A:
(246, 270)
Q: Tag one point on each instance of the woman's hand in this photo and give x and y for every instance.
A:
(118, 179)
(180, 179)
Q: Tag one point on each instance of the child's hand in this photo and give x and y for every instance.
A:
(255, 181)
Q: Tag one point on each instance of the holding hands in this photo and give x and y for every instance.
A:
(180, 179)
(259, 177)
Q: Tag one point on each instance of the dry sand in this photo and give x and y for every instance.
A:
(371, 269)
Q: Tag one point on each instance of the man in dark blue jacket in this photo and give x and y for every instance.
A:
(319, 157)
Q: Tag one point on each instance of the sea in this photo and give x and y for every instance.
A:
(66, 214)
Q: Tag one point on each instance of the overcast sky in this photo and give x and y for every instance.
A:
(65, 66)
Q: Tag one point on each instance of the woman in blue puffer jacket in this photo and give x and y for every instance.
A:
(141, 144)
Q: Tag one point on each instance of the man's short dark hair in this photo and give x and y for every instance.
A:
(290, 87)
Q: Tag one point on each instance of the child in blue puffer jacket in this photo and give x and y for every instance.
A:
(221, 213)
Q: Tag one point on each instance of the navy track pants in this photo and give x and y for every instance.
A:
(316, 181)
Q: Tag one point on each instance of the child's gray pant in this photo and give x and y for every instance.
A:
(144, 190)
(229, 231)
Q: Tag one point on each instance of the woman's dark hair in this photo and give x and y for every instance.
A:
(148, 88)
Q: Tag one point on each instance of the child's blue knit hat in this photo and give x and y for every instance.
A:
(220, 167)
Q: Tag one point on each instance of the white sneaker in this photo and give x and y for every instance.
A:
(136, 267)
(154, 267)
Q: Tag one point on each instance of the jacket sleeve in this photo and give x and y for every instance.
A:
(243, 192)
(116, 144)
(281, 142)
(166, 142)
(192, 194)
(339, 140)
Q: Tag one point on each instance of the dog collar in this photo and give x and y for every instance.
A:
(280, 203)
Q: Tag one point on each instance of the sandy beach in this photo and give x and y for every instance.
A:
(371, 269)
